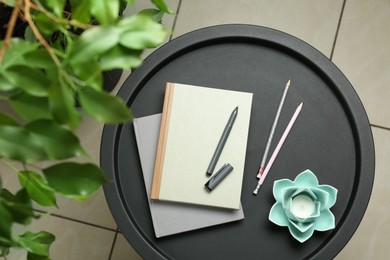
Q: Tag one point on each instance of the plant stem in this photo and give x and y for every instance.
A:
(45, 44)
(10, 29)
(38, 35)
(59, 20)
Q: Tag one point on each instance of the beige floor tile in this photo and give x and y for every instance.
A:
(73, 240)
(371, 240)
(122, 250)
(9, 177)
(362, 53)
(312, 21)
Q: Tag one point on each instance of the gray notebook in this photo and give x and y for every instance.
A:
(170, 217)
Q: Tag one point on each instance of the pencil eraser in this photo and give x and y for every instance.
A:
(218, 177)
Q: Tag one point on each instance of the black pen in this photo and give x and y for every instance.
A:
(222, 141)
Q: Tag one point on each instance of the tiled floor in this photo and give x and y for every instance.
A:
(354, 34)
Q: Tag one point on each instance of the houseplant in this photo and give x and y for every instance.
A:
(67, 44)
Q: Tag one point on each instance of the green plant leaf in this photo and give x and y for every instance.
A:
(15, 52)
(53, 74)
(90, 73)
(5, 223)
(62, 105)
(5, 85)
(30, 80)
(103, 106)
(30, 107)
(29, 35)
(38, 188)
(74, 180)
(56, 5)
(36, 243)
(6, 242)
(141, 32)
(58, 142)
(17, 143)
(105, 11)
(122, 7)
(120, 57)
(46, 25)
(10, 2)
(39, 58)
(7, 120)
(154, 14)
(18, 205)
(160, 4)
(80, 10)
(93, 43)
(31, 256)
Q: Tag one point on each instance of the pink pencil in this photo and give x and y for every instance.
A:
(277, 149)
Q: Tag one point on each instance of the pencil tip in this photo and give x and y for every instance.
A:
(288, 83)
(301, 105)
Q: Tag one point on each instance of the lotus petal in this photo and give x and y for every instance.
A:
(306, 179)
(277, 216)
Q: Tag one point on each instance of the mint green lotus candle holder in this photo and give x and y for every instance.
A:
(303, 205)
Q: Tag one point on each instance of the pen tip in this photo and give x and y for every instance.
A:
(288, 83)
(301, 105)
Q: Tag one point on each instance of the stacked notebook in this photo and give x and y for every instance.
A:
(175, 149)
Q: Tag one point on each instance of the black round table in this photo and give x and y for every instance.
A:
(332, 137)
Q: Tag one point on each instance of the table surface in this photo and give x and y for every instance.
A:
(331, 137)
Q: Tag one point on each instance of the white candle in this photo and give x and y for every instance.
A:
(302, 206)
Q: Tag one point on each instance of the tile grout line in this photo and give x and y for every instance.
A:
(337, 30)
(381, 127)
(75, 220)
(334, 46)
(175, 20)
(113, 244)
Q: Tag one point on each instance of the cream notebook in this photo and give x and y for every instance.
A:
(170, 217)
(193, 120)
